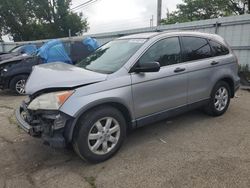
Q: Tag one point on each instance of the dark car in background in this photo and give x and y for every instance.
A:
(15, 71)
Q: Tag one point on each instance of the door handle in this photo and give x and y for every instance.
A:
(179, 69)
(214, 63)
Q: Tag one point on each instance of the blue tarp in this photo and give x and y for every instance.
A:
(91, 43)
(53, 51)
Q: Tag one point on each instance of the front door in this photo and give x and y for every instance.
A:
(158, 92)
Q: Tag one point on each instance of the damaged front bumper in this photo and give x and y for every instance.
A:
(25, 126)
(52, 126)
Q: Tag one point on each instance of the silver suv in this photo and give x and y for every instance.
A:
(127, 83)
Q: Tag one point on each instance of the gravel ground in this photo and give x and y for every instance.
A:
(191, 150)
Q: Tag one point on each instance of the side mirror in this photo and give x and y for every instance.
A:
(147, 67)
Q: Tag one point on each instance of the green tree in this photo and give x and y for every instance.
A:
(39, 19)
(191, 10)
(248, 3)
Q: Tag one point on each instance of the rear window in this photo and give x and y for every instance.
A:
(195, 48)
(218, 49)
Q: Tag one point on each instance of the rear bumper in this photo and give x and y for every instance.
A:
(237, 85)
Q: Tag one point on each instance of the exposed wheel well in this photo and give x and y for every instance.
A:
(230, 82)
(22, 74)
(123, 109)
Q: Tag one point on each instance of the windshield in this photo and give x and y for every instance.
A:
(25, 49)
(16, 49)
(111, 56)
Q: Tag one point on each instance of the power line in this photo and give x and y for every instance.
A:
(87, 3)
(132, 22)
(81, 4)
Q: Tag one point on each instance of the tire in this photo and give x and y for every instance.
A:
(93, 123)
(17, 84)
(220, 96)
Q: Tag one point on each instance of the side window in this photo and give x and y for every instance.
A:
(218, 49)
(195, 48)
(166, 52)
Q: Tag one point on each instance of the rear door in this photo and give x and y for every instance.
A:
(198, 56)
(164, 90)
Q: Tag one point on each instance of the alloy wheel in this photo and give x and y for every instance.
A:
(20, 86)
(104, 135)
(221, 99)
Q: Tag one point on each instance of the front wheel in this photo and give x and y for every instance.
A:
(99, 134)
(17, 84)
(220, 99)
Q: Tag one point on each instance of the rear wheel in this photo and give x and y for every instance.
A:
(220, 99)
(17, 84)
(99, 134)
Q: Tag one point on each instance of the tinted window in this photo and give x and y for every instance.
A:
(195, 48)
(218, 49)
(166, 52)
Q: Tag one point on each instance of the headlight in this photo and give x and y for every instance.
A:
(2, 69)
(50, 101)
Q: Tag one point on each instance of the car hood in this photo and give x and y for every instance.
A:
(60, 75)
(15, 58)
(7, 56)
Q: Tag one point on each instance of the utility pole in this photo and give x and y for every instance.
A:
(69, 33)
(159, 5)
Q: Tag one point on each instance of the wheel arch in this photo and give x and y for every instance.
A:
(118, 105)
(230, 82)
(13, 76)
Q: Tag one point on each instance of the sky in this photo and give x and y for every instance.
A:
(115, 15)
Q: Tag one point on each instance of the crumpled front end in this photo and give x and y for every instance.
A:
(51, 125)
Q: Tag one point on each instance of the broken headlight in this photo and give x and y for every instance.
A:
(50, 101)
